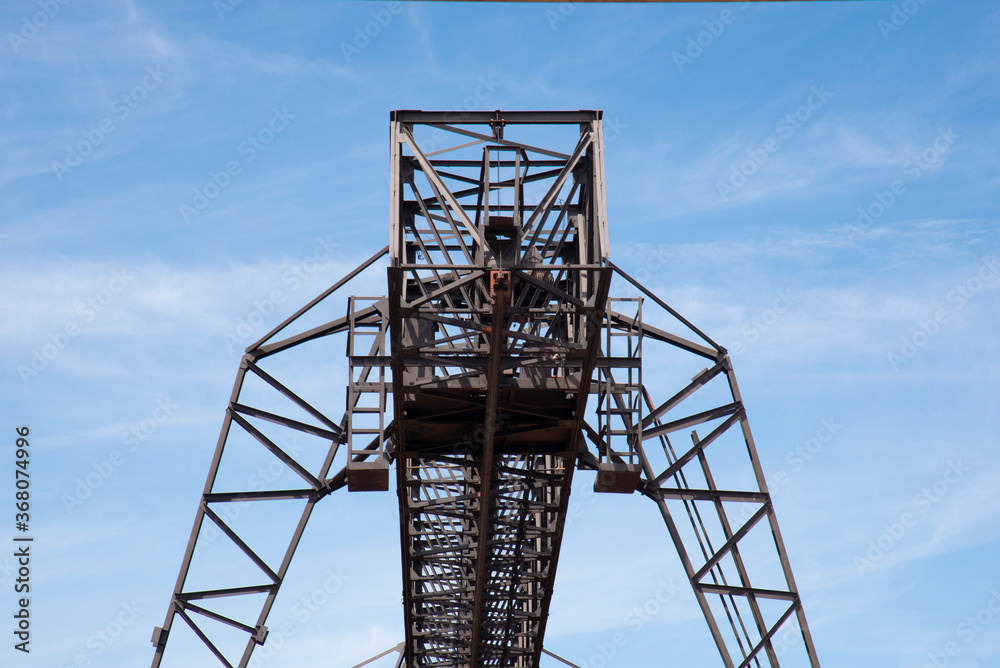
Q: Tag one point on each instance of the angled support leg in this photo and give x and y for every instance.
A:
(724, 550)
(738, 624)
(265, 418)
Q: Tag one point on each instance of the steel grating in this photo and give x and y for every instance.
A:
(497, 300)
(442, 522)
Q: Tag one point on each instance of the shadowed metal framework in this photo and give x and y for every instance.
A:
(503, 314)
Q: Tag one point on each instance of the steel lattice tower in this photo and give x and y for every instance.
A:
(473, 376)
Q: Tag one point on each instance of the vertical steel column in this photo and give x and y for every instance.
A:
(500, 289)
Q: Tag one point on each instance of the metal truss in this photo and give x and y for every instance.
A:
(498, 298)
(265, 412)
(473, 377)
(733, 535)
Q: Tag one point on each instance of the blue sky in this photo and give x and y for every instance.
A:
(814, 184)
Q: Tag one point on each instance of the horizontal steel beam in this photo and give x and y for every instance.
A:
(487, 117)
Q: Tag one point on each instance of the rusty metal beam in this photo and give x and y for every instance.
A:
(500, 293)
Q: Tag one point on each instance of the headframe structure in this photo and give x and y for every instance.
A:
(473, 376)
